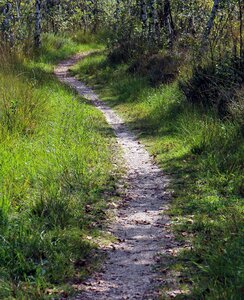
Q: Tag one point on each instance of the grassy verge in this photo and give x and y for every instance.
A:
(204, 157)
(55, 158)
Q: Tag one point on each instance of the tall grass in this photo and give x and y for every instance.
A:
(22, 106)
(204, 156)
(55, 163)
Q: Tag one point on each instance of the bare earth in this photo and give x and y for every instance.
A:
(140, 223)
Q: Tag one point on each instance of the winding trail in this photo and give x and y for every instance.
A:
(129, 272)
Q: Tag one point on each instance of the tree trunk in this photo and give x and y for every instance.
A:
(95, 12)
(6, 25)
(241, 7)
(168, 21)
(153, 20)
(143, 4)
(210, 23)
(117, 15)
(37, 35)
(17, 3)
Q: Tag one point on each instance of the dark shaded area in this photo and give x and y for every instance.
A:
(158, 68)
(215, 86)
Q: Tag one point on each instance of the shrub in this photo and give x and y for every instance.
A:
(214, 86)
(236, 107)
(119, 55)
(157, 67)
(124, 49)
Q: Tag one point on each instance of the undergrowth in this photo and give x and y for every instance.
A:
(204, 157)
(56, 164)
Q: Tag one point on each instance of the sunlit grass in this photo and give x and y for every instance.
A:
(55, 158)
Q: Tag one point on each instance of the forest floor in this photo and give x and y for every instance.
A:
(140, 223)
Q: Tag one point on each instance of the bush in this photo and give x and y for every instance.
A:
(236, 107)
(214, 86)
(124, 50)
(157, 67)
(119, 55)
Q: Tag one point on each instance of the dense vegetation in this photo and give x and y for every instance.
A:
(174, 70)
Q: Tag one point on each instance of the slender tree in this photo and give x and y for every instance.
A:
(210, 23)
(241, 8)
(6, 26)
(37, 35)
(168, 21)
(143, 6)
(117, 15)
(153, 20)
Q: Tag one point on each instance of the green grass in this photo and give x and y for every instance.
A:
(55, 48)
(204, 157)
(55, 158)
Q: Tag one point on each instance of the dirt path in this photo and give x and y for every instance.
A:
(128, 272)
